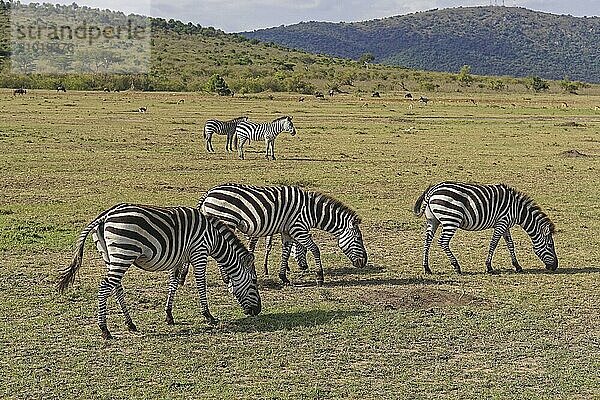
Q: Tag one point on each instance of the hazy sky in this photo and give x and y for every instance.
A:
(240, 15)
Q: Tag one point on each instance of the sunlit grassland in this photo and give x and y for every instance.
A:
(387, 331)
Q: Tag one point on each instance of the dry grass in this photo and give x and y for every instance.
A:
(387, 331)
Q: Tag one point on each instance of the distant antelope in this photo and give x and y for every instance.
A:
(142, 109)
(424, 99)
(181, 101)
(301, 99)
(375, 94)
(20, 91)
(408, 96)
(331, 92)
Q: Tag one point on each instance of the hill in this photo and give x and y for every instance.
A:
(188, 57)
(493, 40)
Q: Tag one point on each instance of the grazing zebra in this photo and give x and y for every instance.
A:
(477, 207)
(246, 131)
(213, 126)
(259, 211)
(160, 239)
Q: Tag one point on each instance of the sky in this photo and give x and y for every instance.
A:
(243, 15)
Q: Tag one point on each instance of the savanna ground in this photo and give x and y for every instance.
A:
(386, 331)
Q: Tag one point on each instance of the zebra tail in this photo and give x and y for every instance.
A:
(67, 275)
(419, 207)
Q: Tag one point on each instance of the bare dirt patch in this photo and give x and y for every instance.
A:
(417, 298)
(573, 153)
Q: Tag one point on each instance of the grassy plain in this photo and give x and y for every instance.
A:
(387, 331)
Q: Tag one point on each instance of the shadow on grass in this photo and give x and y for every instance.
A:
(563, 271)
(282, 321)
(369, 269)
(388, 282)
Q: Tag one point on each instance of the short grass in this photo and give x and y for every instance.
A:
(386, 331)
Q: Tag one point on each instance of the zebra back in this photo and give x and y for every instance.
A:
(267, 130)
(213, 126)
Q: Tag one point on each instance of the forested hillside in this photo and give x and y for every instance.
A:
(189, 57)
(493, 40)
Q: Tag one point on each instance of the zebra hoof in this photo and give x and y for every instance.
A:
(105, 333)
(131, 327)
(518, 268)
(427, 270)
(284, 280)
(169, 318)
(457, 268)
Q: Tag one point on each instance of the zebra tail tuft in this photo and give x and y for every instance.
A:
(419, 207)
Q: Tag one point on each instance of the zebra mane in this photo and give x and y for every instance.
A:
(281, 118)
(533, 206)
(227, 232)
(238, 119)
(336, 203)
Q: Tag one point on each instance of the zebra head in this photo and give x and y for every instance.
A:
(543, 246)
(351, 243)
(288, 126)
(244, 285)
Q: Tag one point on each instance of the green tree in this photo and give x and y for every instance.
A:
(570, 86)
(536, 84)
(366, 59)
(464, 77)
(217, 84)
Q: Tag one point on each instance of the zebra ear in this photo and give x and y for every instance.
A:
(290, 117)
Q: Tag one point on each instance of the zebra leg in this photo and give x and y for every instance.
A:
(444, 242)
(182, 272)
(498, 233)
(174, 280)
(511, 248)
(199, 262)
(431, 227)
(268, 248)
(267, 146)
(104, 291)
(306, 241)
(299, 252)
(241, 149)
(285, 256)
(120, 295)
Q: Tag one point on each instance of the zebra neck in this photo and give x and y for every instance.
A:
(326, 215)
(530, 218)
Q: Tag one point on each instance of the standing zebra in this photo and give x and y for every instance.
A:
(160, 239)
(213, 126)
(259, 211)
(477, 207)
(247, 131)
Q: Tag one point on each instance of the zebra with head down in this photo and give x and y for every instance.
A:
(475, 207)
(164, 239)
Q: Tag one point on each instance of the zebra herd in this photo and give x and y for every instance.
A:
(240, 130)
(169, 239)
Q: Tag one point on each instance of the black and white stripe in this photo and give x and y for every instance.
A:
(260, 211)
(161, 239)
(477, 207)
(214, 126)
(246, 131)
